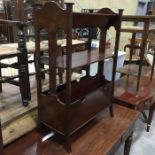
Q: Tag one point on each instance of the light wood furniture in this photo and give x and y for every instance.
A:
(144, 30)
(126, 95)
(102, 136)
(68, 107)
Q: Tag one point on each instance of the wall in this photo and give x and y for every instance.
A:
(129, 6)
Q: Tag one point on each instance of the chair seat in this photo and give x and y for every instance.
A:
(8, 50)
(134, 58)
(4, 79)
(12, 48)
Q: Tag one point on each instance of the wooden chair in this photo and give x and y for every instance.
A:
(132, 58)
(66, 108)
(7, 52)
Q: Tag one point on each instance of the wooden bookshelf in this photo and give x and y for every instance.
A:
(66, 108)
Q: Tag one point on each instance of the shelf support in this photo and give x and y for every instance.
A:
(144, 42)
(102, 49)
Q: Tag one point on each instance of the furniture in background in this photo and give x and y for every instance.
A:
(136, 51)
(102, 136)
(126, 95)
(148, 27)
(21, 79)
(108, 63)
(66, 108)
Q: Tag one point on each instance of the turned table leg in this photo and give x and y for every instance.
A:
(127, 145)
(151, 110)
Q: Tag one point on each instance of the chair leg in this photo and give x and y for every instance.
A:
(0, 77)
(151, 110)
(1, 141)
(24, 82)
(127, 145)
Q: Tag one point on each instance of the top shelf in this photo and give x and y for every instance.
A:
(80, 59)
(136, 29)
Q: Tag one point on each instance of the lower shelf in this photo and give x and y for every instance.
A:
(89, 97)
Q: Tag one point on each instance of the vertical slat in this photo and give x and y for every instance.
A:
(37, 60)
(68, 75)
(53, 50)
(0, 77)
(69, 54)
(102, 49)
(117, 39)
(38, 72)
(132, 46)
(144, 43)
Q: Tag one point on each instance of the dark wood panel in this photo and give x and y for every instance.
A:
(87, 20)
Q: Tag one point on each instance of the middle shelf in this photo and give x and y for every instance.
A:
(79, 59)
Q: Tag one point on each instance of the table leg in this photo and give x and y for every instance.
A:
(111, 111)
(1, 141)
(0, 77)
(145, 117)
(127, 145)
(151, 110)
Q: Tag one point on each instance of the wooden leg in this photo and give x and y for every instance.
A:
(1, 141)
(127, 145)
(68, 144)
(145, 117)
(151, 110)
(0, 77)
(24, 82)
(111, 111)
